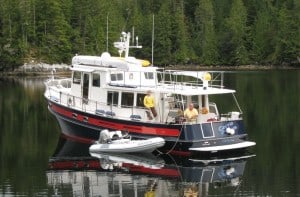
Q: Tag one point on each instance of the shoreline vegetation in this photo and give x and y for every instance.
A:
(194, 32)
(43, 69)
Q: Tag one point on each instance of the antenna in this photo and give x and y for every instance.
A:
(132, 35)
(152, 51)
(107, 32)
(123, 45)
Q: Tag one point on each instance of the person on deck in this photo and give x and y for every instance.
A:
(149, 103)
(191, 113)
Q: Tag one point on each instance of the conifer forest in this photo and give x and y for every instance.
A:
(195, 32)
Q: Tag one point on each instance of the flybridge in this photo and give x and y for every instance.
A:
(106, 60)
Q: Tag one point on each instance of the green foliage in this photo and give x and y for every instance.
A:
(163, 32)
(179, 34)
(263, 35)
(237, 29)
(231, 32)
(53, 32)
(205, 43)
(287, 38)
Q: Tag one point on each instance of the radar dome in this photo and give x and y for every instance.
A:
(105, 55)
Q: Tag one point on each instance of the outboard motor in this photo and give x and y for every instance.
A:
(104, 137)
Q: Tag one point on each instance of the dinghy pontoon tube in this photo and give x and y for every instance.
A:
(106, 143)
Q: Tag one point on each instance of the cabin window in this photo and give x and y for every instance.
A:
(213, 108)
(96, 79)
(180, 101)
(149, 75)
(140, 100)
(116, 77)
(127, 99)
(112, 98)
(195, 101)
(76, 77)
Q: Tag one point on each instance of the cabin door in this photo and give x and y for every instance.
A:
(85, 88)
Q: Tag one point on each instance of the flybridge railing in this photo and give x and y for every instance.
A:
(167, 78)
(191, 78)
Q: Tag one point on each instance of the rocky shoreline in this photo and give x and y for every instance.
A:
(231, 68)
(44, 69)
(39, 69)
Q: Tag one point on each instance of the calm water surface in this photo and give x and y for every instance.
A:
(36, 161)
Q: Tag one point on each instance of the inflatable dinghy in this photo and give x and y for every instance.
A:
(115, 142)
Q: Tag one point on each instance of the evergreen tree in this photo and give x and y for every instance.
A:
(11, 51)
(231, 32)
(287, 48)
(163, 35)
(205, 38)
(53, 32)
(237, 29)
(263, 33)
(179, 36)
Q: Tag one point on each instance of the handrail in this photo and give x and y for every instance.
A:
(169, 77)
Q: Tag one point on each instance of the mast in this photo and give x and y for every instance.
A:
(152, 50)
(124, 44)
(107, 32)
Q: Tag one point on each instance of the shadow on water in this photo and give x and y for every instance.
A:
(88, 174)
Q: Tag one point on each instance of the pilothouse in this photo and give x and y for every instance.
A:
(114, 93)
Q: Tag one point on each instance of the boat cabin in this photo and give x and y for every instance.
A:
(116, 87)
(120, 93)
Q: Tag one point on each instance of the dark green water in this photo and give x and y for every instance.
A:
(270, 101)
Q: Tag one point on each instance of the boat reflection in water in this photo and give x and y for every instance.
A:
(73, 171)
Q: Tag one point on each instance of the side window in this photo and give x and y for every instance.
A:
(127, 99)
(120, 76)
(149, 75)
(116, 77)
(112, 98)
(113, 77)
(76, 77)
(195, 101)
(96, 80)
(140, 100)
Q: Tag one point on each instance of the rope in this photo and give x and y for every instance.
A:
(176, 165)
(161, 153)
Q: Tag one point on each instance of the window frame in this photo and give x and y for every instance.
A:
(75, 79)
(129, 101)
(98, 85)
(149, 75)
(140, 103)
(116, 77)
(114, 97)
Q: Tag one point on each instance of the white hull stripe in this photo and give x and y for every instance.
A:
(224, 147)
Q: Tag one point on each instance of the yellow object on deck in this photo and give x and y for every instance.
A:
(207, 76)
(145, 63)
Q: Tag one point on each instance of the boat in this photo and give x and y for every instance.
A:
(107, 92)
(106, 143)
(72, 170)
